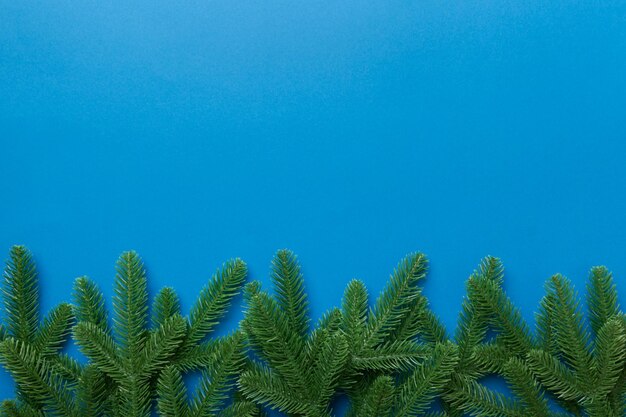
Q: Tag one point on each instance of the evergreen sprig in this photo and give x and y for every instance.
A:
(393, 358)
(30, 348)
(393, 337)
(300, 370)
(582, 368)
(131, 354)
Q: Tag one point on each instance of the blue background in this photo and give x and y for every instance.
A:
(350, 132)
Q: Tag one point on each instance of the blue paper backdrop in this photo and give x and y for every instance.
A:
(350, 132)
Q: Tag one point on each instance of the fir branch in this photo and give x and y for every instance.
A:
(477, 400)
(426, 381)
(241, 409)
(557, 377)
(269, 334)
(490, 357)
(162, 344)
(37, 379)
(609, 356)
(545, 323)
(474, 323)
(355, 305)
(130, 304)
(218, 378)
(198, 356)
(101, 349)
(91, 391)
(377, 401)
(214, 300)
(601, 298)
(394, 302)
(420, 322)
(89, 303)
(166, 305)
(328, 325)
(66, 366)
(617, 397)
(21, 295)
(391, 360)
(393, 356)
(571, 337)
(523, 383)
(474, 319)
(263, 386)
(172, 393)
(134, 397)
(513, 332)
(290, 294)
(54, 331)
(327, 369)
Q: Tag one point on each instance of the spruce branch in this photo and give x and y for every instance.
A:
(132, 356)
(54, 331)
(92, 391)
(571, 336)
(504, 317)
(242, 409)
(300, 371)
(290, 293)
(522, 382)
(21, 295)
(89, 305)
(601, 298)
(172, 393)
(269, 334)
(393, 356)
(394, 302)
(391, 360)
(426, 381)
(218, 378)
(162, 344)
(166, 305)
(264, 387)
(99, 346)
(355, 306)
(130, 305)
(214, 300)
(377, 400)
(35, 341)
(477, 400)
(386, 338)
(37, 379)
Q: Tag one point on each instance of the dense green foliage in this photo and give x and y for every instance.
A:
(391, 358)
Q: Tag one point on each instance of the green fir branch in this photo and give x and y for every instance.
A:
(394, 359)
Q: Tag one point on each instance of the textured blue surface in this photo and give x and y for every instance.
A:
(350, 132)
